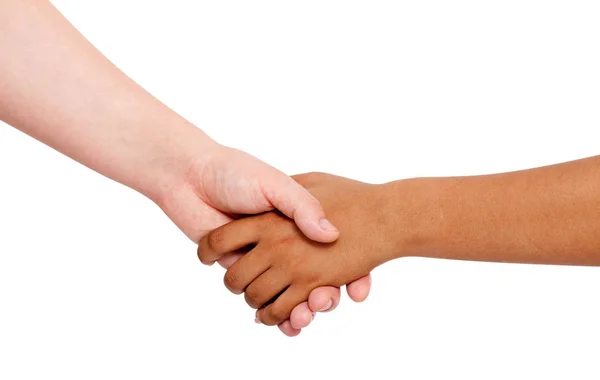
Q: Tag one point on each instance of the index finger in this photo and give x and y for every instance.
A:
(229, 238)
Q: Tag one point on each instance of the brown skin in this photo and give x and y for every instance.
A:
(548, 215)
(261, 274)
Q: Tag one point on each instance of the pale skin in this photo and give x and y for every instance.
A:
(56, 87)
(546, 215)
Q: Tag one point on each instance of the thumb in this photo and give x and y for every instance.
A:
(297, 203)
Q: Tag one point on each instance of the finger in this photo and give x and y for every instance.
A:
(301, 316)
(359, 290)
(265, 288)
(286, 328)
(228, 238)
(281, 309)
(297, 203)
(229, 258)
(246, 270)
(324, 299)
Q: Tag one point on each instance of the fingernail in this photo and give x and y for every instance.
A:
(328, 306)
(256, 320)
(326, 225)
(313, 316)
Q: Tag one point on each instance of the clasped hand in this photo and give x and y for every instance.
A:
(224, 183)
(283, 266)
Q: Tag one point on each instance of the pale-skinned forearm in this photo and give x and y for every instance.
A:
(56, 87)
(548, 215)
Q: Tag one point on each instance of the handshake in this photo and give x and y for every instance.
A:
(270, 230)
(272, 234)
(288, 243)
(281, 252)
(281, 266)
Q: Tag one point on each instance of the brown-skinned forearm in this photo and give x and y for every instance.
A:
(547, 215)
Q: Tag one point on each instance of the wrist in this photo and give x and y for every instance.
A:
(412, 215)
(182, 149)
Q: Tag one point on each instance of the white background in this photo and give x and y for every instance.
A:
(95, 282)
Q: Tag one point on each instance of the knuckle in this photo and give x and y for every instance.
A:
(215, 240)
(232, 282)
(285, 241)
(202, 256)
(252, 298)
(288, 261)
(276, 315)
(314, 201)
